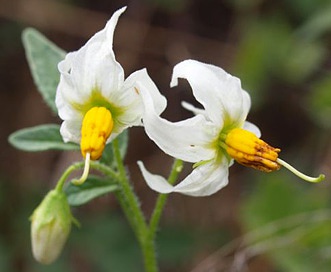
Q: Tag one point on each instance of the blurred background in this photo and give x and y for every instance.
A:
(281, 50)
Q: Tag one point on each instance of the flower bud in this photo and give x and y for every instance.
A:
(50, 227)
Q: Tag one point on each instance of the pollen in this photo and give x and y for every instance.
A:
(96, 129)
(249, 150)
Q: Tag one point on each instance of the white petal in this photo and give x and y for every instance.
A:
(246, 105)
(70, 131)
(204, 180)
(142, 78)
(130, 98)
(194, 109)
(92, 66)
(155, 182)
(252, 128)
(220, 93)
(190, 140)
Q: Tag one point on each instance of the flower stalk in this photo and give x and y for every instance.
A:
(145, 232)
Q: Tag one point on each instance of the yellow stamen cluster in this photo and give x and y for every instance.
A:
(96, 128)
(249, 150)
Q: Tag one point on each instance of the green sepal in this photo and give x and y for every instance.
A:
(40, 138)
(92, 188)
(43, 57)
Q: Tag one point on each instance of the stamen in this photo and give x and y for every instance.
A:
(96, 128)
(249, 150)
(299, 174)
(85, 172)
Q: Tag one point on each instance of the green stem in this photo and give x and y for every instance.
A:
(104, 169)
(162, 198)
(128, 194)
(149, 246)
(65, 175)
(131, 206)
(95, 165)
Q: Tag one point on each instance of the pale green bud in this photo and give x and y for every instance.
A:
(50, 227)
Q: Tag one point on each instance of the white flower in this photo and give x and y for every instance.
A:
(91, 77)
(93, 99)
(197, 140)
(214, 137)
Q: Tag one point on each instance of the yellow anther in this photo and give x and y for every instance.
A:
(249, 150)
(96, 129)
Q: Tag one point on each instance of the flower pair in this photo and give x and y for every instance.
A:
(96, 104)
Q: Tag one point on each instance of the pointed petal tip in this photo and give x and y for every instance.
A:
(173, 82)
(174, 77)
(155, 182)
(121, 10)
(113, 20)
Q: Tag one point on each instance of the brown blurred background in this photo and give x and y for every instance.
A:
(280, 50)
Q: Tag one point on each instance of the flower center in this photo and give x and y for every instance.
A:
(249, 150)
(96, 128)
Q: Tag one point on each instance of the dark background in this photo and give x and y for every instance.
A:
(281, 52)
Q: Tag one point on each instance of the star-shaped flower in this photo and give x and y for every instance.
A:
(94, 100)
(214, 137)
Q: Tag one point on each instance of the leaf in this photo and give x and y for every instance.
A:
(40, 138)
(108, 153)
(92, 188)
(43, 57)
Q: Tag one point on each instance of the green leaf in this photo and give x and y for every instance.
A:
(40, 138)
(43, 57)
(92, 188)
(108, 153)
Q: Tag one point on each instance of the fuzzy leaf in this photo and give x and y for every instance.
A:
(43, 57)
(92, 188)
(40, 138)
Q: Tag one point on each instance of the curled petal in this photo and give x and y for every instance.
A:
(92, 76)
(93, 66)
(194, 109)
(189, 140)
(155, 182)
(219, 93)
(70, 130)
(204, 180)
(131, 99)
